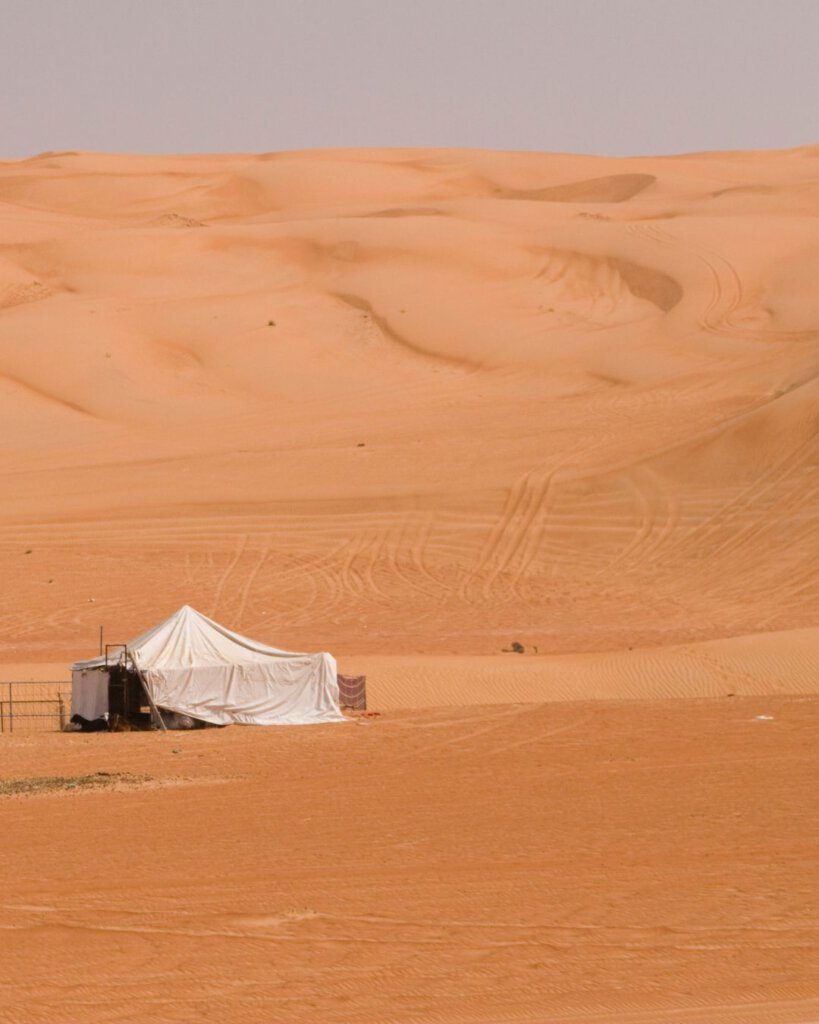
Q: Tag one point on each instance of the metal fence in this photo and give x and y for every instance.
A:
(34, 707)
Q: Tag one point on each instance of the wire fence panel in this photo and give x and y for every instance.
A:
(34, 707)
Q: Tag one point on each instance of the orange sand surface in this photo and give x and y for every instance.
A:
(417, 407)
(409, 402)
(600, 862)
(782, 663)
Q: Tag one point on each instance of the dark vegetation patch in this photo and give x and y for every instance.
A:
(62, 783)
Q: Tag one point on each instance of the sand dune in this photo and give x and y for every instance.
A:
(784, 663)
(423, 409)
(409, 402)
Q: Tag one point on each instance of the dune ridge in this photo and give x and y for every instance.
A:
(528, 439)
(361, 400)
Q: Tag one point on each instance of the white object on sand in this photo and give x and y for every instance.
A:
(192, 665)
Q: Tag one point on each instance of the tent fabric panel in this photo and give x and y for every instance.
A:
(293, 692)
(190, 638)
(89, 694)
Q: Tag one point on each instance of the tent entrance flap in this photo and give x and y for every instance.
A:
(154, 709)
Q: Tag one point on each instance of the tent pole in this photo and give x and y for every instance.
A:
(154, 708)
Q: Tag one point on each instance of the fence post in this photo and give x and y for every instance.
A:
(2, 722)
(62, 711)
(11, 709)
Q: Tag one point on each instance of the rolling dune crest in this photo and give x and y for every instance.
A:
(359, 400)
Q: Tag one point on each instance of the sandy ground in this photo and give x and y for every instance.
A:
(609, 862)
(409, 402)
(416, 407)
(773, 663)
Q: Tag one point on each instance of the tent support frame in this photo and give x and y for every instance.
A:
(141, 678)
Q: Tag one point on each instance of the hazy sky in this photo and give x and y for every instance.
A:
(594, 76)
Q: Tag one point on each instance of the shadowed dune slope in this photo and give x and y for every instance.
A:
(410, 402)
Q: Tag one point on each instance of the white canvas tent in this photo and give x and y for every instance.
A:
(194, 666)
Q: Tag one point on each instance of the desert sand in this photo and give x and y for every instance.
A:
(409, 402)
(628, 862)
(417, 407)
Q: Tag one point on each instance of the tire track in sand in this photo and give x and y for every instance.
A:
(514, 540)
(217, 598)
